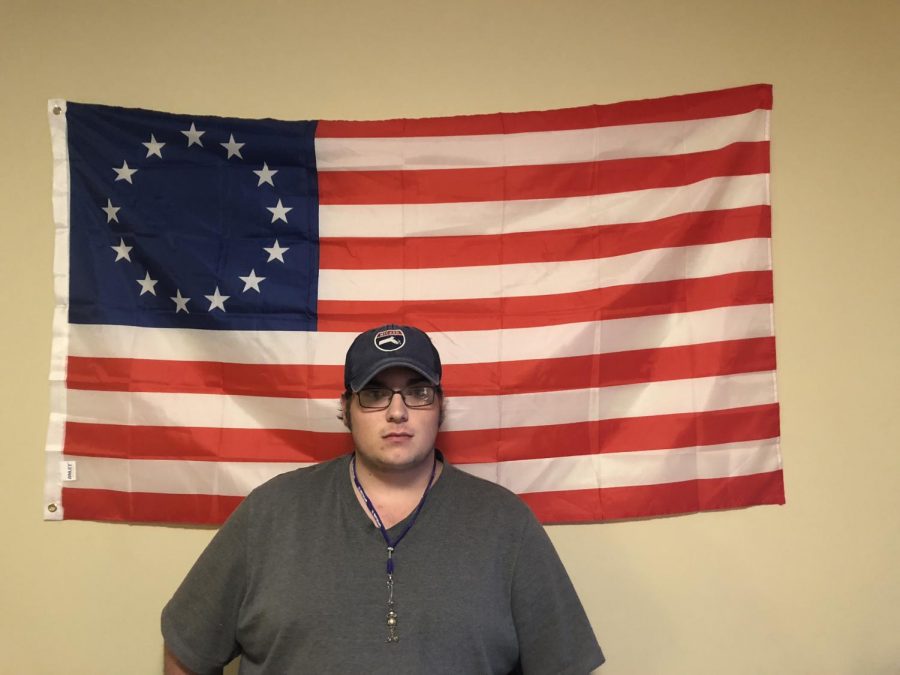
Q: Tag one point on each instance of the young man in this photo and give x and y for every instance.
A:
(389, 560)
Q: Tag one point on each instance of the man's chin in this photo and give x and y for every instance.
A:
(396, 457)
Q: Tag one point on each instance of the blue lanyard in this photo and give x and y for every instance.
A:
(391, 545)
(393, 631)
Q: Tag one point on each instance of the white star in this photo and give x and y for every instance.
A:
(265, 175)
(147, 284)
(279, 212)
(123, 253)
(233, 147)
(193, 135)
(216, 300)
(251, 281)
(111, 211)
(153, 146)
(180, 302)
(124, 173)
(276, 252)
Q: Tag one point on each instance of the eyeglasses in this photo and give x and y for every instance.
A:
(379, 398)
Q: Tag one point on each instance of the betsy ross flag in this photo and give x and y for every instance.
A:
(597, 280)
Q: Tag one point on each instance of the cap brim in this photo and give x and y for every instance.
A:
(361, 382)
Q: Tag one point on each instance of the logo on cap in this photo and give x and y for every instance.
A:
(390, 340)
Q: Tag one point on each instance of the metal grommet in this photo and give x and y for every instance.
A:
(52, 508)
(57, 110)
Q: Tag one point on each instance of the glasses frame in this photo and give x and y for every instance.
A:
(434, 394)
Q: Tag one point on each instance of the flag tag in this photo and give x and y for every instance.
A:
(67, 471)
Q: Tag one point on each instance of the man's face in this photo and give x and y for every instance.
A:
(397, 438)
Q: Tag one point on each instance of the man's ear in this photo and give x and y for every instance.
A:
(344, 412)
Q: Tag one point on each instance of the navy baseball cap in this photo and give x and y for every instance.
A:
(386, 346)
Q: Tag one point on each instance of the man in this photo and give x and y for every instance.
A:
(389, 560)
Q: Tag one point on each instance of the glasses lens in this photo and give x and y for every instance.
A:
(375, 398)
(418, 396)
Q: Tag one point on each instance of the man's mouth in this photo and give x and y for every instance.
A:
(397, 434)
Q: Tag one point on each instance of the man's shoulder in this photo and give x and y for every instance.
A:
(487, 496)
(301, 483)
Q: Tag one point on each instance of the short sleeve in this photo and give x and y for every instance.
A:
(199, 623)
(553, 630)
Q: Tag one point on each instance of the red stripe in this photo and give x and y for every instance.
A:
(607, 370)
(669, 109)
(615, 302)
(540, 181)
(203, 444)
(629, 434)
(475, 379)
(601, 241)
(550, 507)
(204, 377)
(575, 506)
(461, 447)
(147, 507)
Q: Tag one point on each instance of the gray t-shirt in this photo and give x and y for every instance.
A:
(295, 582)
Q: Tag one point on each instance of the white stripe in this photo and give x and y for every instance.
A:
(583, 472)
(538, 215)
(53, 507)
(540, 147)
(624, 469)
(479, 346)
(606, 337)
(227, 346)
(203, 410)
(530, 279)
(179, 477)
(462, 412)
(623, 401)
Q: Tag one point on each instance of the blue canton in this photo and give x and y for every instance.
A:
(182, 221)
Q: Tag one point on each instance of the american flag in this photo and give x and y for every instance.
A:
(597, 280)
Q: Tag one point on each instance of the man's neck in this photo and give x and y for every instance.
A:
(395, 493)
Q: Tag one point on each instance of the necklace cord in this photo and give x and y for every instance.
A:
(391, 545)
(392, 626)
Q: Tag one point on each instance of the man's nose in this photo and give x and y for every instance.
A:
(397, 410)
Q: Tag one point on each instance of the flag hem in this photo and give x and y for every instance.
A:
(53, 506)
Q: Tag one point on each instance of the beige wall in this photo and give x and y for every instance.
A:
(811, 587)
